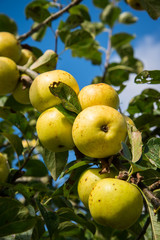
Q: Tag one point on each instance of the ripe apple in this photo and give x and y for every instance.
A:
(115, 203)
(98, 94)
(135, 4)
(26, 54)
(54, 131)
(9, 75)
(4, 168)
(88, 179)
(21, 94)
(9, 46)
(98, 131)
(40, 96)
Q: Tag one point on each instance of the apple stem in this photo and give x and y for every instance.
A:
(28, 71)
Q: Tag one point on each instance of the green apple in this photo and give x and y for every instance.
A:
(115, 203)
(98, 94)
(98, 131)
(9, 75)
(135, 4)
(4, 168)
(54, 131)
(21, 93)
(9, 46)
(40, 96)
(26, 54)
(87, 181)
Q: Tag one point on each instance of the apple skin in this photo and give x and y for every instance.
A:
(9, 46)
(9, 75)
(87, 181)
(26, 54)
(4, 168)
(135, 4)
(98, 131)
(40, 96)
(98, 94)
(115, 203)
(54, 131)
(21, 95)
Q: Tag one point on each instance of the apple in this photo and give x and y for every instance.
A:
(88, 179)
(4, 168)
(98, 131)
(9, 75)
(9, 46)
(26, 54)
(21, 94)
(40, 96)
(54, 131)
(98, 94)
(115, 203)
(135, 4)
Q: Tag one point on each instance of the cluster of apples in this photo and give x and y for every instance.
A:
(11, 55)
(97, 131)
(112, 202)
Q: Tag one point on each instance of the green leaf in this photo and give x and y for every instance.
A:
(69, 214)
(15, 141)
(51, 219)
(81, 11)
(55, 162)
(134, 63)
(152, 151)
(155, 222)
(69, 229)
(25, 235)
(93, 28)
(110, 14)
(136, 142)
(100, 4)
(150, 77)
(125, 50)
(7, 24)
(68, 114)
(127, 18)
(38, 230)
(77, 165)
(14, 118)
(32, 166)
(126, 152)
(46, 62)
(67, 95)
(14, 217)
(152, 7)
(150, 176)
(39, 35)
(37, 10)
(119, 39)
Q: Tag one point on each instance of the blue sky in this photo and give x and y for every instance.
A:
(146, 43)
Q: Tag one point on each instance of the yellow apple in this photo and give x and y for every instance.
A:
(98, 131)
(4, 168)
(98, 94)
(88, 179)
(21, 94)
(135, 4)
(54, 131)
(115, 203)
(26, 54)
(9, 75)
(40, 96)
(9, 46)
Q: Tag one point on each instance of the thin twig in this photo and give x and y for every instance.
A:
(144, 229)
(48, 20)
(154, 186)
(28, 71)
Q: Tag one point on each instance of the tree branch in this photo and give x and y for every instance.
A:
(28, 71)
(47, 20)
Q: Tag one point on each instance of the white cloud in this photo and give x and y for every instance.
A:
(148, 51)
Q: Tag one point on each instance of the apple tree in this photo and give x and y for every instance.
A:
(50, 191)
